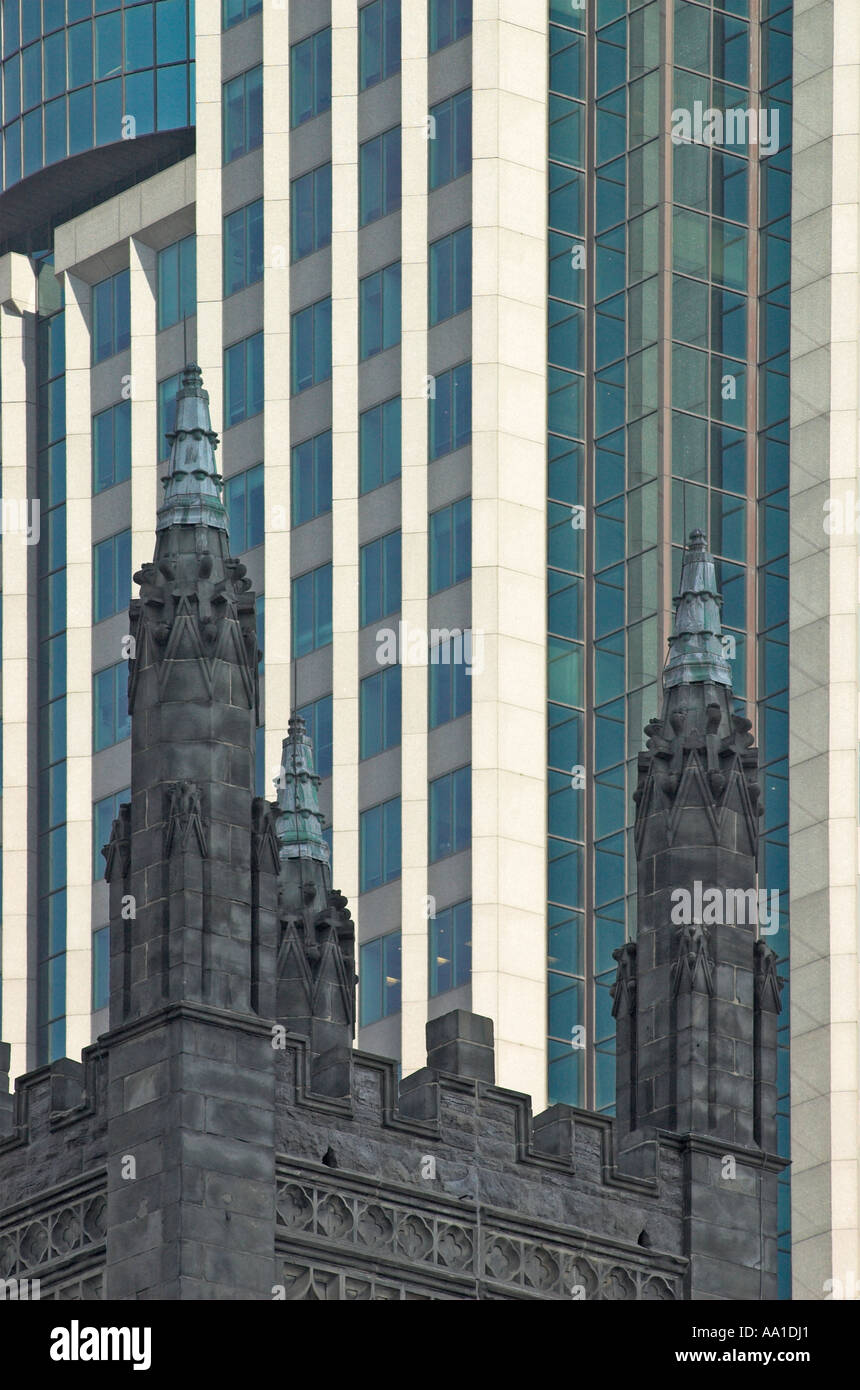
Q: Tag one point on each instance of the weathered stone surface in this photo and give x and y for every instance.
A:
(225, 1141)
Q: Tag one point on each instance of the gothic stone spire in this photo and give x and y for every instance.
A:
(696, 996)
(193, 704)
(316, 958)
(192, 484)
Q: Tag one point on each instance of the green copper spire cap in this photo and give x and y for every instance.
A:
(299, 825)
(696, 649)
(192, 484)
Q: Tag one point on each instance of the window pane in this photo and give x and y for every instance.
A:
(254, 242)
(371, 982)
(234, 252)
(301, 81)
(102, 320)
(371, 180)
(138, 37)
(254, 118)
(322, 70)
(370, 44)
(108, 45)
(168, 286)
(303, 216)
(122, 311)
(170, 33)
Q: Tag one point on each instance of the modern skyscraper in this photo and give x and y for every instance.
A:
(493, 308)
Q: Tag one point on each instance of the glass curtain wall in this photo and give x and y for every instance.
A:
(603, 636)
(771, 723)
(695, 337)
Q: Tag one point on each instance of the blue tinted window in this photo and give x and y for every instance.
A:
(378, 42)
(167, 390)
(451, 948)
(11, 30)
(379, 844)
(108, 58)
(380, 578)
(12, 88)
(171, 38)
(310, 212)
(234, 11)
(111, 576)
(55, 65)
(111, 723)
(243, 380)
(450, 545)
(80, 121)
(242, 100)
(310, 77)
(243, 247)
(173, 99)
(139, 37)
(140, 101)
(30, 20)
(108, 112)
(311, 345)
(379, 444)
(450, 679)
(112, 446)
(111, 310)
(31, 76)
(450, 138)
(450, 813)
(318, 718)
(449, 20)
(380, 973)
(379, 176)
(81, 54)
(380, 711)
(450, 409)
(311, 478)
(177, 282)
(12, 147)
(311, 610)
(32, 134)
(450, 275)
(243, 498)
(55, 131)
(379, 310)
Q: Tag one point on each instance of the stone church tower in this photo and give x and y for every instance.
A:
(697, 994)
(224, 1140)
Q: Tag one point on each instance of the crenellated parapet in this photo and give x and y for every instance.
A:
(445, 1188)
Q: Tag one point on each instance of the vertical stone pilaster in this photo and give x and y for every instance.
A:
(18, 665)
